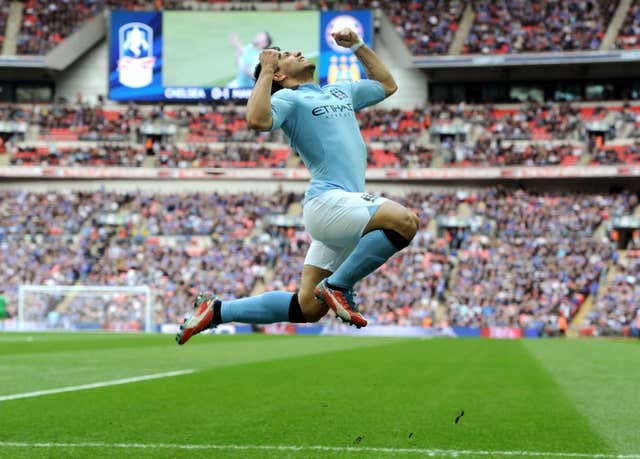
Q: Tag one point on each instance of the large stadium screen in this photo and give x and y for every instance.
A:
(199, 56)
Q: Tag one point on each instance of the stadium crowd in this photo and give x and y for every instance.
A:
(617, 154)
(229, 155)
(629, 34)
(103, 155)
(45, 24)
(619, 304)
(203, 136)
(489, 152)
(4, 12)
(518, 26)
(542, 262)
(531, 259)
(532, 121)
(427, 27)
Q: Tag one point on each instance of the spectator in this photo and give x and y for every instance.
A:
(517, 26)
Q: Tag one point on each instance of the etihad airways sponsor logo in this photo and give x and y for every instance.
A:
(332, 109)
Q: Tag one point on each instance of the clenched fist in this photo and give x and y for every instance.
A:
(269, 59)
(346, 37)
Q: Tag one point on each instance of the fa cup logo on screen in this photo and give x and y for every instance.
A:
(135, 65)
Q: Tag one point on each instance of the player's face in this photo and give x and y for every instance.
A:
(261, 40)
(293, 64)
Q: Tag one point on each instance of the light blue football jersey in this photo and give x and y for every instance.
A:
(321, 126)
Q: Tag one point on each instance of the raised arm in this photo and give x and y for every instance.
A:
(259, 104)
(373, 66)
(235, 41)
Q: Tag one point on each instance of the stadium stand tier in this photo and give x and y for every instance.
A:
(45, 24)
(618, 304)
(426, 27)
(516, 26)
(629, 33)
(530, 134)
(533, 258)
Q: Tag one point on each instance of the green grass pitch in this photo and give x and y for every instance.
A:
(330, 397)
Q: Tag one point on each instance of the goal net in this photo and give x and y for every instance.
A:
(85, 308)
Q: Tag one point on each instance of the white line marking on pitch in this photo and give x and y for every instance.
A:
(115, 382)
(351, 449)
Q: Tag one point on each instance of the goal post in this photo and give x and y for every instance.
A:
(85, 308)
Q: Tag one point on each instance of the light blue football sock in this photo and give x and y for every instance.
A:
(266, 308)
(371, 252)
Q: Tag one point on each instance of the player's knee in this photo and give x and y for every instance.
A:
(407, 224)
(416, 222)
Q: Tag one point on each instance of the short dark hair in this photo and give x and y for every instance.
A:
(269, 40)
(275, 86)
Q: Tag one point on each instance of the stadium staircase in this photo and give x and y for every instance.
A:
(614, 27)
(95, 257)
(293, 161)
(149, 161)
(625, 130)
(295, 209)
(464, 210)
(441, 314)
(260, 285)
(464, 26)
(14, 20)
(78, 43)
(578, 320)
(181, 134)
(610, 118)
(474, 134)
(585, 159)
(574, 326)
(33, 134)
(438, 160)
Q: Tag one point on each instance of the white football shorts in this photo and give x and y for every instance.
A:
(336, 220)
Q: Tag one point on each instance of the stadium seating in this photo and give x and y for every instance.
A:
(617, 154)
(231, 155)
(45, 24)
(629, 34)
(517, 279)
(503, 27)
(427, 27)
(4, 12)
(528, 134)
(388, 124)
(618, 306)
(486, 152)
(532, 259)
(102, 155)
